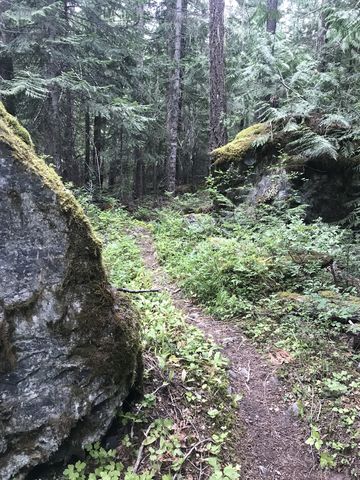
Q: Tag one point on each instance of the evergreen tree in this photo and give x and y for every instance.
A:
(173, 108)
(217, 74)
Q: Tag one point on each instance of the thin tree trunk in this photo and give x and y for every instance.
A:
(271, 16)
(115, 165)
(139, 151)
(7, 73)
(87, 138)
(174, 102)
(6, 61)
(54, 140)
(139, 174)
(60, 122)
(218, 134)
(180, 170)
(155, 179)
(271, 24)
(321, 39)
(71, 167)
(98, 146)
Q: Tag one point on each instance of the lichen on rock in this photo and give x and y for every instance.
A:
(69, 344)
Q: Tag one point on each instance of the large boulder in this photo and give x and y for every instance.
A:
(313, 158)
(69, 346)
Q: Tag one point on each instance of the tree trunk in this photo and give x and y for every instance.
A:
(6, 61)
(321, 39)
(7, 73)
(217, 74)
(139, 151)
(139, 173)
(182, 132)
(71, 170)
(54, 141)
(271, 16)
(155, 179)
(98, 146)
(87, 139)
(115, 174)
(174, 102)
(71, 167)
(59, 121)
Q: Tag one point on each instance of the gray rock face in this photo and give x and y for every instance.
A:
(68, 349)
(275, 186)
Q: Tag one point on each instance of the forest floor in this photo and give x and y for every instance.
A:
(267, 434)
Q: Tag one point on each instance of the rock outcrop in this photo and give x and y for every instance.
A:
(314, 158)
(69, 348)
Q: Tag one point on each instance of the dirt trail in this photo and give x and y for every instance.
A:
(272, 439)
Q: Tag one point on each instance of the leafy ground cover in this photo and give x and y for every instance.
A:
(268, 270)
(182, 426)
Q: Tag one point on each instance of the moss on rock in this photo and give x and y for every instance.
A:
(241, 145)
(18, 140)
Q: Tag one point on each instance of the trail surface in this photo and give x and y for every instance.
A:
(271, 442)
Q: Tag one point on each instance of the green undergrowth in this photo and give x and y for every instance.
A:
(183, 424)
(268, 270)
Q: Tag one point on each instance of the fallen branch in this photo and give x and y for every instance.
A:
(151, 290)
(141, 450)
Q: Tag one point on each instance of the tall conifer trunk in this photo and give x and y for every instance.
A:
(218, 134)
(173, 107)
(139, 184)
(181, 168)
(7, 73)
(60, 119)
(87, 138)
(70, 165)
(323, 27)
(271, 16)
(98, 147)
(271, 24)
(6, 62)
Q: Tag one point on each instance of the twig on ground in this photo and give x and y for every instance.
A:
(248, 373)
(141, 449)
(151, 290)
(189, 453)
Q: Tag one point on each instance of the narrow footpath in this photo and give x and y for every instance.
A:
(272, 444)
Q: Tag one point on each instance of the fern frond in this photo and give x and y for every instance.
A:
(335, 121)
(310, 145)
(291, 127)
(29, 83)
(261, 140)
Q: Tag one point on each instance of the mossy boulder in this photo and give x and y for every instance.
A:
(242, 144)
(69, 344)
(311, 158)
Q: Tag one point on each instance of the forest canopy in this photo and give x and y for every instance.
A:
(115, 93)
